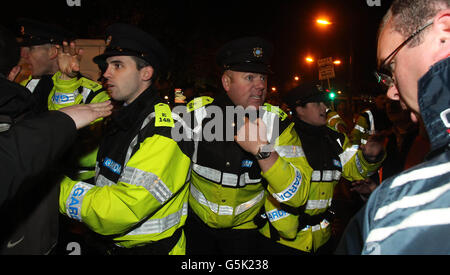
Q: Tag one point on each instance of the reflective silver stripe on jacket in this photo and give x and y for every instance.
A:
(31, 85)
(424, 218)
(325, 175)
(208, 173)
(371, 122)
(85, 93)
(347, 155)
(322, 225)
(359, 128)
(225, 210)
(241, 208)
(290, 151)
(226, 179)
(318, 204)
(75, 200)
(103, 181)
(149, 181)
(155, 226)
(333, 117)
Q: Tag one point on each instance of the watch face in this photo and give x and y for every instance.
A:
(263, 155)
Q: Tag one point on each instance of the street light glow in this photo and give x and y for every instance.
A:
(309, 59)
(296, 78)
(337, 62)
(322, 21)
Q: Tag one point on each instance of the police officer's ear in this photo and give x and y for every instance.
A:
(146, 73)
(299, 111)
(53, 52)
(226, 81)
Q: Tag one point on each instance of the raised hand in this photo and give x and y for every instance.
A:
(252, 135)
(69, 58)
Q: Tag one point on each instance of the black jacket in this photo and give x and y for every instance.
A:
(30, 146)
(15, 102)
(319, 144)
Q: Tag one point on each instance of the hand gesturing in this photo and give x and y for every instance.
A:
(69, 58)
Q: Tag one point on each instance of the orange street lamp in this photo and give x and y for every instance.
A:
(337, 62)
(296, 78)
(309, 59)
(322, 21)
(274, 89)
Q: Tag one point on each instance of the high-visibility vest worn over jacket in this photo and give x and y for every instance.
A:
(227, 185)
(331, 156)
(140, 193)
(63, 93)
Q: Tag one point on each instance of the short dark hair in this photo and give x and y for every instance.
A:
(140, 63)
(9, 51)
(409, 15)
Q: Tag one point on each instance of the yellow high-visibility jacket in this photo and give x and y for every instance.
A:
(330, 155)
(227, 186)
(140, 193)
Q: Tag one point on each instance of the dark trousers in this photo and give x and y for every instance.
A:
(204, 240)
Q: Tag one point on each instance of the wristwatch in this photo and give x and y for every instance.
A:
(264, 151)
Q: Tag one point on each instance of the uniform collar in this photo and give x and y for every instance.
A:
(308, 128)
(127, 116)
(223, 100)
(434, 103)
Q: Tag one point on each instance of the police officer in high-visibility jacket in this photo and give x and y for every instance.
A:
(55, 82)
(52, 89)
(39, 51)
(306, 227)
(230, 179)
(139, 199)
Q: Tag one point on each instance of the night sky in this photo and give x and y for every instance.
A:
(193, 30)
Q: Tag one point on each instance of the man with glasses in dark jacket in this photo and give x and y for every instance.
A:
(410, 213)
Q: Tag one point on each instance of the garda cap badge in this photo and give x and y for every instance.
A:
(257, 52)
(108, 40)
